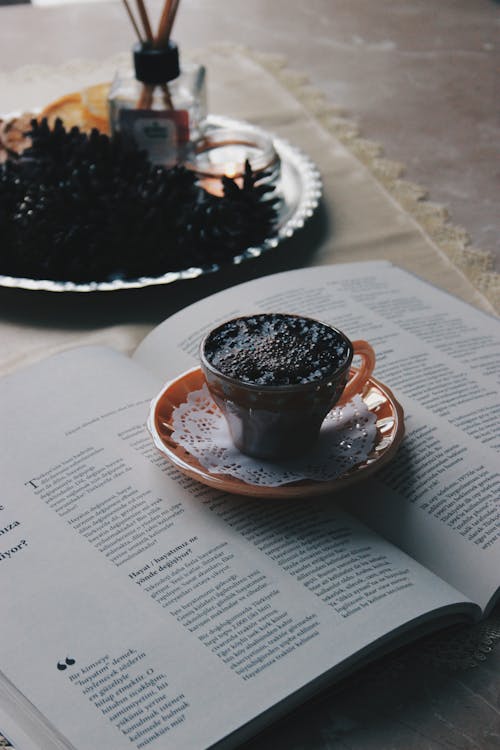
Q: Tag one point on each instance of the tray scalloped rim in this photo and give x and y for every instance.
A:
(310, 195)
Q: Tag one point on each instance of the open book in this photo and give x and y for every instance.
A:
(140, 609)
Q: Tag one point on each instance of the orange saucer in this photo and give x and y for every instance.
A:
(377, 397)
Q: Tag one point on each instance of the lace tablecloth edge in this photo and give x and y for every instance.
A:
(431, 217)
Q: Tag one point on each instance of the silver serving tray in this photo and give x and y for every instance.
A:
(299, 189)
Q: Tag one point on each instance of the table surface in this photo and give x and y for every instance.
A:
(420, 76)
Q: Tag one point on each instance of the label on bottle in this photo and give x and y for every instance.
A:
(161, 133)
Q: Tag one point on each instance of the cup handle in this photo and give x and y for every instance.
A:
(356, 383)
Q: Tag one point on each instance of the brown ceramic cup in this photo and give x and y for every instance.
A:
(274, 421)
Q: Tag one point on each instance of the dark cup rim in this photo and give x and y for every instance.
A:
(293, 387)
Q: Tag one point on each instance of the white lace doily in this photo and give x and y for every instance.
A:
(346, 439)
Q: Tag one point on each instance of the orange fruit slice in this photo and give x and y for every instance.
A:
(95, 100)
(71, 110)
(68, 108)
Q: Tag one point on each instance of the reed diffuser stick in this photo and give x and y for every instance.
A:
(164, 19)
(132, 20)
(166, 97)
(172, 16)
(167, 22)
(145, 20)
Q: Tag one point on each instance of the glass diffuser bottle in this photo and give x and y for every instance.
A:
(158, 105)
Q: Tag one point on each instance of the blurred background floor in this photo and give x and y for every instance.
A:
(421, 76)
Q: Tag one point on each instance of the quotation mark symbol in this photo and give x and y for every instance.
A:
(68, 662)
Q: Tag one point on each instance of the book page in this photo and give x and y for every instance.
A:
(440, 500)
(10, 728)
(142, 609)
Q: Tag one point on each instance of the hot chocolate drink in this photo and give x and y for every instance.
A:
(273, 349)
(276, 376)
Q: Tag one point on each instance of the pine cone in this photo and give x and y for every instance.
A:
(84, 208)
